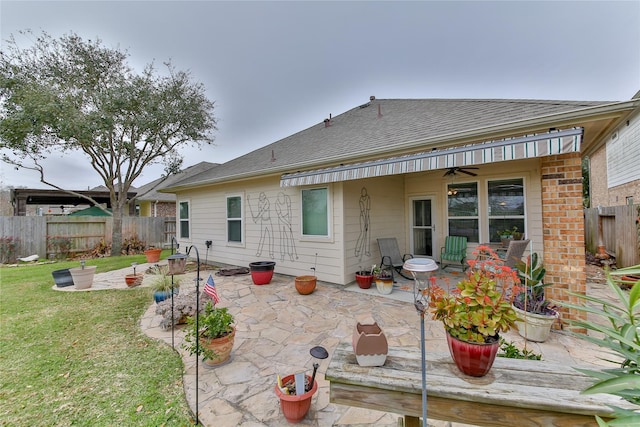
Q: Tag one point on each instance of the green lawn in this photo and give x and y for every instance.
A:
(79, 358)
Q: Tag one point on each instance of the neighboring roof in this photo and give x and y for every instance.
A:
(158, 184)
(92, 211)
(385, 126)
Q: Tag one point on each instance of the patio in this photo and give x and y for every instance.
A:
(276, 328)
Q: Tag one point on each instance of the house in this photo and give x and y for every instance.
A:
(414, 169)
(154, 203)
(613, 165)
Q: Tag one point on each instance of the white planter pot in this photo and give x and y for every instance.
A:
(534, 327)
(384, 286)
(83, 277)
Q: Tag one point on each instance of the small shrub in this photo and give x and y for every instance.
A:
(60, 246)
(510, 351)
(7, 249)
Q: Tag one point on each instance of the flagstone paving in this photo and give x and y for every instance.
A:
(276, 328)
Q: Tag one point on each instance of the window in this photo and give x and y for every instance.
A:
(315, 212)
(183, 216)
(506, 206)
(462, 205)
(234, 219)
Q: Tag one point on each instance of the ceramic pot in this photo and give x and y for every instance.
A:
(62, 278)
(83, 277)
(364, 279)
(133, 280)
(305, 284)
(153, 255)
(159, 296)
(262, 272)
(473, 359)
(369, 344)
(295, 407)
(534, 327)
(384, 286)
(220, 346)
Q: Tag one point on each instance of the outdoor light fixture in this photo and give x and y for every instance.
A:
(421, 269)
(177, 263)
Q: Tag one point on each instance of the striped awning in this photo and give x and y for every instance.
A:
(525, 147)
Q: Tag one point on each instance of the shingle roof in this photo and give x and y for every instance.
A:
(380, 126)
(156, 185)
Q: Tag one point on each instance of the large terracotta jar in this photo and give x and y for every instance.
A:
(369, 344)
(473, 359)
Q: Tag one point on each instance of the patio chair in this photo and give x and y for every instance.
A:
(514, 252)
(391, 255)
(454, 252)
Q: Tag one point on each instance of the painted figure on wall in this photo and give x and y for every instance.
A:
(363, 245)
(283, 210)
(266, 230)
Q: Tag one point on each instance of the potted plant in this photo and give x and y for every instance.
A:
(383, 276)
(163, 283)
(295, 405)
(509, 234)
(364, 278)
(215, 332)
(475, 313)
(535, 313)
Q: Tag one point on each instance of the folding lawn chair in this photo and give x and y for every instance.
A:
(391, 255)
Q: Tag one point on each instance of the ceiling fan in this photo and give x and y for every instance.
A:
(454, 170)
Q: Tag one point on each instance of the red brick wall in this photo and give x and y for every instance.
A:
(563, 229)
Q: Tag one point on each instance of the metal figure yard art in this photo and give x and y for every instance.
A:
(363, 245)
(264, 216)
(287, 243)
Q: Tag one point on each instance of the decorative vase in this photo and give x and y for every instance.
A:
(153, 254)
(369, 344)
(133, 280)
(295, 407)
(473, 359)
(305, 284)
(534, 327)
(160, 296)
(364, 279)
(384, 285)
(62, 278)
(221, 348)
(262, 272)
(83, 276)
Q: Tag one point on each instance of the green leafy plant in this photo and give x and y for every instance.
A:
(510, 351)
(213, 323)
(530, 296)
(382, 272)
(509, 232)
(620, 335)
(162, 282)
(479, 308)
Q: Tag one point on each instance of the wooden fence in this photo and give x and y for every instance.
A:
(31, 234)
(618, 229)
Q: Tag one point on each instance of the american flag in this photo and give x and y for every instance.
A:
(210, 289)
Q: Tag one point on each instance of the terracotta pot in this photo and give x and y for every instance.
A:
(221, 347)
(473, 359)
(83, 277)
(295, 407)
(153, 255)
(369, 344)
(305, 284)
(133, 280)
(534, 327)
(364, 279)
(262, 272)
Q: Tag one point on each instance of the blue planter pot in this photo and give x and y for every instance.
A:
(163, 295)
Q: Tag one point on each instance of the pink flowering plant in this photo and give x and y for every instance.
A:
(480, 305)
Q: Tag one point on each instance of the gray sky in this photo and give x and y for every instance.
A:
(275, 68)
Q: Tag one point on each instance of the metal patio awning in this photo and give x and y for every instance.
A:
(524, 147)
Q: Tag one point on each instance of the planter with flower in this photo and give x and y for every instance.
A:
(535, 313)
(383, 277)
(215, 332)
(475, 313)
(509, 234)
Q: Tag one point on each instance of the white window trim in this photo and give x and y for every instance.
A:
(329, 236)
(241, 243)
(179, 220)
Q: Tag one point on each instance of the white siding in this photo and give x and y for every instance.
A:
(623, 154)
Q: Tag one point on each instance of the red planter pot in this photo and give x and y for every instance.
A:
(364, 279)
(294, 407)
(473, 359)
(262, 272)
